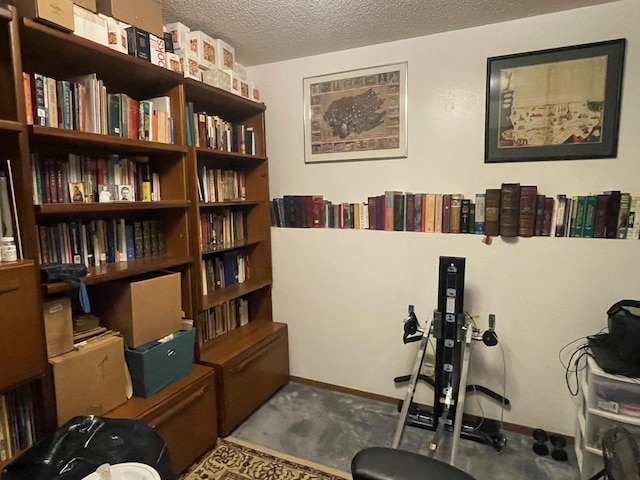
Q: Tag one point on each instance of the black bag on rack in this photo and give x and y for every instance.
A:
(69, 273)
(617, 352)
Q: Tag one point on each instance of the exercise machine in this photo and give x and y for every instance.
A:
(454, 333)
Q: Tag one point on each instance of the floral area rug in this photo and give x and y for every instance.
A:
(233, 459)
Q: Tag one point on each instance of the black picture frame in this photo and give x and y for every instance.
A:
(569, 103)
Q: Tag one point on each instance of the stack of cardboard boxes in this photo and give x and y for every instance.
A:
(147, 349)
(136, 28)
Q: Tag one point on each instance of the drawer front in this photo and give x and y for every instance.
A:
(188, 424)
(252, 378)
(23, 352)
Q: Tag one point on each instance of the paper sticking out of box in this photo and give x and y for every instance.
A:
(205, 49)
(217, 78)
(226, 55)
(90, 26)
(179, 34)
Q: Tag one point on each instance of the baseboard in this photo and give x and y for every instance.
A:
(511, 427)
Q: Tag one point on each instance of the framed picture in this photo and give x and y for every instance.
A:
(107, 192)
(76, 192)
(125, 193)
(356, 115)
(558, 104)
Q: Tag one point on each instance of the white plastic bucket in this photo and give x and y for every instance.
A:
(124, 471)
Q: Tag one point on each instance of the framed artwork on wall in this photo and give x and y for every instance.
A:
(557, 104)
(356, 115)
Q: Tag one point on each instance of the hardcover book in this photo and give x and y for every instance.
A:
(509, 209)
(492, 212)
(480, 213)
(527, 211)
(456, 213)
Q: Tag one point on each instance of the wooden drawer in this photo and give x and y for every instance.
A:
(23, 352)
(184, 415)
(251, 378)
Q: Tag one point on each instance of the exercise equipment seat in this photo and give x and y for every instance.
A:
(379, 463)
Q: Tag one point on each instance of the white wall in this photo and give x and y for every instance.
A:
(344, 293)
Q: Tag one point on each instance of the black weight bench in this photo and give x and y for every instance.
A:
(379, 463)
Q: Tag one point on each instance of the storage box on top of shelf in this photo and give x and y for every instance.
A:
(159, 364)
(58, 13)
(205, 49)
(190, 65)
(217, 78)
(245, 89)
(179, 34)
(143, 310)
(240, 71)
(90, 380)
(144, 14)
(235, 83)
(88, 4)
(175, 63)
(116, 34)
(90, 25)
(255, 92)
(58, 326)
(226, 55)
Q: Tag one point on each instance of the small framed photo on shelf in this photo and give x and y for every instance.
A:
(107, 192)
(356, 115)
(557, 104)
(76, 192)
(125, 193)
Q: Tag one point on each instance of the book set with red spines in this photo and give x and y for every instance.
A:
(52, 176)
(17, 422)
(513, 210)
(222, 229)
(224, 270)
(218, 185)
(83, 104)
(223, 318)
(213, 132)
(98, 242)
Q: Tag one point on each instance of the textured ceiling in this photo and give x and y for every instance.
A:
(265, 31)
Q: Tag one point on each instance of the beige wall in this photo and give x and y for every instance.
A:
(344, 293)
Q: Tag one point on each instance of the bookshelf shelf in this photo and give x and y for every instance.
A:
(225, 248)
(224, 295)
(235, 159)
(105, 142)
(6, 16)
(96, 207)
(227, 204)
(226, 104)
(10, 126)
(122, 270)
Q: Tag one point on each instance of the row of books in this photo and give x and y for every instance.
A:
(222, 229)
(83, 104)
(17, 422)
(98, 242)
(223, 318)
(509, 211)
(211, 131)
(217, 185)
(80, 178)
(225, 270)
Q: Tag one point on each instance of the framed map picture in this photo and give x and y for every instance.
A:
(558, 104)
(356, 115)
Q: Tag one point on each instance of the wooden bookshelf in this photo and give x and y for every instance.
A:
(225, 248)
(10, 126)
(236, 291)
(227, 204)
(107, 207)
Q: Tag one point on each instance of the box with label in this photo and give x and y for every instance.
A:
(143, 310)
(175, 63)
(235, 83)
(226, 55)
(90, 380)
(58, 326)
(190, 66)
(88, 4)
(116, 34)
(158, 54)
(158, 365)
(255, 92)
(245, 90)
(240, 71)
(90, 26)
(204, 47)
(179, 34)
(217, 78)
(57, 14)
(138, 43)
(144, 14)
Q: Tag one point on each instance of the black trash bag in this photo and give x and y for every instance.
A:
(82, 444)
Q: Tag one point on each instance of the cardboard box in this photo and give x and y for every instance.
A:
(88, 4)
(175, 63)
(158, 54)
(90, 26)
(226, 55)
(179, 34)
(91, 380)
(139, 43)
(156, 366)
(58, 326)
(143, 310)
(58, 13)
(116, 34)
(205, 48)
(217, 78)
(240, 71)
(144, 14)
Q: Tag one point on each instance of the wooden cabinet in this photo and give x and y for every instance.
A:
(183, 415)
(252, 364)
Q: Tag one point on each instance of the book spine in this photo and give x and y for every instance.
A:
(446, 213)
(527, 211)
(388, 210)
(613, 211)
(39, 94)
(539, 215)
(509, 209)
(398, 212)
(28, 99)
(561, 207)
(589, 216)
(465, 216)
(52, 101)
(623, 215)
(479, 217)
(492, 212)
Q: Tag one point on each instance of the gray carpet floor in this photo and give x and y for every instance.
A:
(329, 428)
